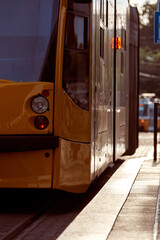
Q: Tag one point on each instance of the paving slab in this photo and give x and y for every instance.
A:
(125, 208)
(100, 214)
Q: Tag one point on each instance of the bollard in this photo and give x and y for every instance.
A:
(155, 130)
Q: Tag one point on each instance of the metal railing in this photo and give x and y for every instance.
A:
(156, 127)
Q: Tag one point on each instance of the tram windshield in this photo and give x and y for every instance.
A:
(28, 30)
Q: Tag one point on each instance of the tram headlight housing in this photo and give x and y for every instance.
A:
(39, 104)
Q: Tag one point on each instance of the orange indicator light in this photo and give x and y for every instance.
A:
(116, 42)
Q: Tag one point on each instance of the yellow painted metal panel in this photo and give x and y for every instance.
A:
(32, 169)
(71, 170)
(75, 122)
(59, 66)
(17, 117)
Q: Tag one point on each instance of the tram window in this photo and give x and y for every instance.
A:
(102, 10)
(76, 55)
(25, 32)
(76, 77)
(101, 43)
(78, 7)
(107, 13)
(122, 63)
(123, 38)
(77, 35)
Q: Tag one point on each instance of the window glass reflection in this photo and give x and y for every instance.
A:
(76, 77)
(76, 54)
(81, 8)
(25, 30)
(101, 43)
(76, 34)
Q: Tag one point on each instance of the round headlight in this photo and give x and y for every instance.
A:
(39, 104)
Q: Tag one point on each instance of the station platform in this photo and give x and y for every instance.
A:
(128, 205)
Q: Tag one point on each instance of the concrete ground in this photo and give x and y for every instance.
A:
(127, 207)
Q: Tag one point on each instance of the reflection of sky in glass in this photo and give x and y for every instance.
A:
(25, 28)
(79, 30)
(25, 18)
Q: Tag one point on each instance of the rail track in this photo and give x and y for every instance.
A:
(43, 214)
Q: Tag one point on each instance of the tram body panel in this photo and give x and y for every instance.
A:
(72, 173)
(81, 102)
(102, 81)
(117, 80)
(71, 161)
(93, 87)
(30, 169)
(121, 78)
(127, 86)
(110, 72)
(59, 66)
(17, 116)
(95, 75)
(75, 121)
(133, 88)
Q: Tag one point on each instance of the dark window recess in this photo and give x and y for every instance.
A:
(102, 10)
(122, 63)
(101, 43)
(76, 77)
(76, 54)
(123, 38)
(77, 34)
(77, 7)
(107, 13)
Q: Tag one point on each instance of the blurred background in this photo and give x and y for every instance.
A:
(149, 76)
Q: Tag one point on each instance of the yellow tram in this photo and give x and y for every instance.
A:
(68, 71)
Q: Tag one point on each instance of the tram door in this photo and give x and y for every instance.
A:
(102, 86)
(110, 72)
(121, 79)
